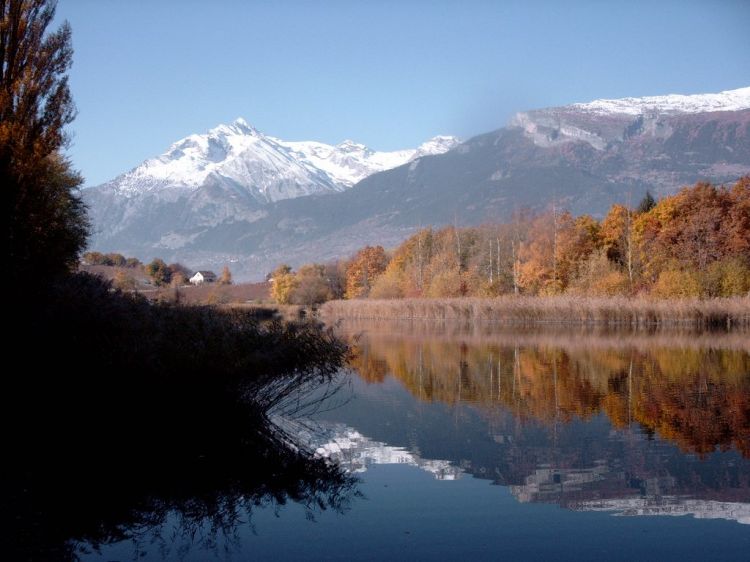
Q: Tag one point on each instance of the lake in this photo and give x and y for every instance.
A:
(489, 443)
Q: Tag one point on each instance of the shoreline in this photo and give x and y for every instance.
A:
(726, 314)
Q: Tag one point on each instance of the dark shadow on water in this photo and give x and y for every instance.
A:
(123, 417)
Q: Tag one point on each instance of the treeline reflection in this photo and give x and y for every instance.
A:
(691, 390)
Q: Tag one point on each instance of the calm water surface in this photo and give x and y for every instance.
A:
(490, 444)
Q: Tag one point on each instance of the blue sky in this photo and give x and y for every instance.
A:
(389, 74)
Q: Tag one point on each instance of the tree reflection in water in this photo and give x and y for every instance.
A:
(690, 389)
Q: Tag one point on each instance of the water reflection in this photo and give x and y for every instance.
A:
(697, 397)
(631, 424)
(355, 453)
(167, 486)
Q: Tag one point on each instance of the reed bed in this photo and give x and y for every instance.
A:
(725, 313)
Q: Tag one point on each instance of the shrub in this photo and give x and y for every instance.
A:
(387, 286)
(673, 283)
(598, 276)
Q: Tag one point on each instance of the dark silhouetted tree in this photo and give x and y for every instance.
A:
(45, 221)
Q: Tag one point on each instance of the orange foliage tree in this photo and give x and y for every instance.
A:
(363, 269)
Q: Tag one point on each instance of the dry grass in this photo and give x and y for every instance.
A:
(727, 313)
(213, 293)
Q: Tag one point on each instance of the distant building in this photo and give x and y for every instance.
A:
(201, 277)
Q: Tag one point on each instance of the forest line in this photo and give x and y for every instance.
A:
(694, 244)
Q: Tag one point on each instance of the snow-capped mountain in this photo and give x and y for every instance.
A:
(229, 174)
(233, 195)
(602, 122)
(240, 158)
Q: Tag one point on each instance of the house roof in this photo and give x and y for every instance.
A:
(206, 273)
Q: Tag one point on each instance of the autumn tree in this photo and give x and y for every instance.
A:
(335, 275)
(93, 258)
(115, 259)
(282, 284)
(618, 242)
(311, 286)
(536, 258)
(363, 269)
(159, 272)
(226, 276)
(45, 221)
(697, 227)
(124, 281)
(578, 239)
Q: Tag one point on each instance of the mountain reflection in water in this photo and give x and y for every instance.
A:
(634, 424)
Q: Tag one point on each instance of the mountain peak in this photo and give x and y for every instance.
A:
(350, 145)
(437, 145)
(237, 127)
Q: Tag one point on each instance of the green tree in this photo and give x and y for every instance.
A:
(45, 221)
(647, 203)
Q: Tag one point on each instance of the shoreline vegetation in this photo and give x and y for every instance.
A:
(640, 312)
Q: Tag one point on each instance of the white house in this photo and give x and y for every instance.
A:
(201, 277)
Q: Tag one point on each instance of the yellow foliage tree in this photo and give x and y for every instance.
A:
(674, 283)
(226, 276)
(282, 284)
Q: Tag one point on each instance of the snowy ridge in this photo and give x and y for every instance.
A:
(355, 453)
(729, 100)
(670, 506)
(239, 158)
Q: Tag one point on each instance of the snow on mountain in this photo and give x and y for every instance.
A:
(238, 157)
(350, 162)
(670, 506)
(729, 100)
(355, 452)
(601, 122)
